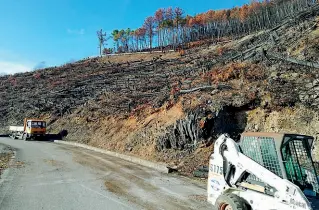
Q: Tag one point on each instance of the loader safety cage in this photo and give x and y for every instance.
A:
(286, 155)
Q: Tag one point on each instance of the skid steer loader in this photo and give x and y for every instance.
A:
(264, 171)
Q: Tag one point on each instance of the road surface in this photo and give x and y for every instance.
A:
(47, 175)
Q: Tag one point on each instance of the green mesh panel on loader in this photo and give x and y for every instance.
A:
(298, 165)
(263, 151)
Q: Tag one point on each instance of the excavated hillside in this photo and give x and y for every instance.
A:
(170, 108)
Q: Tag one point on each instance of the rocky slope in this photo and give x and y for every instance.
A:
(170, 108)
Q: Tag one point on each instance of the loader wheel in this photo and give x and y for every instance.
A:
(24, 137)
(230, 202)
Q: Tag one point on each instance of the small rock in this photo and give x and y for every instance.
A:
(273, 75)
(314, 96)
(309, 85)
(273, 69)
(294, 75)
(214, 92)
(306, 97)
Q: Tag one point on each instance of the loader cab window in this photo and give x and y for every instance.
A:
(263, 151)
(29, 124)
(298, 162)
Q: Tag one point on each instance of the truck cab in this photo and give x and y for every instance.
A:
(34, 128)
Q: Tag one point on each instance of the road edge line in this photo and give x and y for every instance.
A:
(157, 166)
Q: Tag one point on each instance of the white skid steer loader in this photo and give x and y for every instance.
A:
(264, 171)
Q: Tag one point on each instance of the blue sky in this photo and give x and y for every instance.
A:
(38, 33)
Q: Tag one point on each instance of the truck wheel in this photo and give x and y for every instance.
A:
(230, 202)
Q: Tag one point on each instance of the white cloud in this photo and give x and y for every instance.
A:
(12, 67)
(77, 32)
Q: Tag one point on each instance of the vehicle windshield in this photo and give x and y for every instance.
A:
(298, 163)
(37, 124)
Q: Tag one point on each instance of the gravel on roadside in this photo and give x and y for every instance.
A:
(5, 156)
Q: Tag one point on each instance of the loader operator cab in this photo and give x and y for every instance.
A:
(286, 155)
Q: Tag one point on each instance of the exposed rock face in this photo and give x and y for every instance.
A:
(202, 127)
(184, 134)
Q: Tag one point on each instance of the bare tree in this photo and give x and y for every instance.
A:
(149, 25)
(102, 39)
(172, 28)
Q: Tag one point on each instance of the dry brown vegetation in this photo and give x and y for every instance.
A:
(139, 56)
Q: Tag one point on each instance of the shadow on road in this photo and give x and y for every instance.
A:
(52, 137)
(59, 136)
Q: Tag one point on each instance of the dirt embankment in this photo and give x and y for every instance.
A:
(171, 108)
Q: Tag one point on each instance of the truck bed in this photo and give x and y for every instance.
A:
(16, 128)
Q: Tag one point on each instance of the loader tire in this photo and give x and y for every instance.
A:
(230, 202)
(24, 137)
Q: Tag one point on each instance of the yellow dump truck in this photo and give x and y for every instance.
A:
(31, 129)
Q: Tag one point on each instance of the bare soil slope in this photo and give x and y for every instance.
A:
(168, 107)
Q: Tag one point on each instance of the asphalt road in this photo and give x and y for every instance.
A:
(48, 176)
